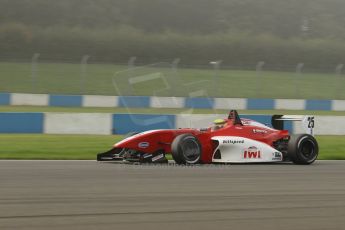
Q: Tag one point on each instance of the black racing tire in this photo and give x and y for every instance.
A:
(186, 149)
(303, 149)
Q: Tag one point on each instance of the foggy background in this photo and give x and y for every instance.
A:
(240, 32)
(296, 36)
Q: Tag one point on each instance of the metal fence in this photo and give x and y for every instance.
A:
(173, 78)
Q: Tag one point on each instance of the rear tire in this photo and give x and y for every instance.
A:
(303, 149)
(186, 149)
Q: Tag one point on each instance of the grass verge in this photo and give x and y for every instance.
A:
(85, 147)
(53, 147)
(59, 78)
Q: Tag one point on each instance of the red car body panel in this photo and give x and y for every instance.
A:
(154, 140)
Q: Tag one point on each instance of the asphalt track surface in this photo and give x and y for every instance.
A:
(93, 195)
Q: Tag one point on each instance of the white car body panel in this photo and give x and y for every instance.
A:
(255, 123)
(234, 149)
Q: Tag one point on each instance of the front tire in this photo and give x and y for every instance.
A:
(303, 149)
(186, 149)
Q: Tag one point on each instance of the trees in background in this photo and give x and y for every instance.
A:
(237, 31)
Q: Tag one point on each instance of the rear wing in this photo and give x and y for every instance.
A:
(308, 122)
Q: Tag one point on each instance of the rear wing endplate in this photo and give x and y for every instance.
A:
(308, 122)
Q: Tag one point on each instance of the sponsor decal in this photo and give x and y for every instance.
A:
(143, 145)
(277, 156)
(252, 153)
(245, 122)
(259, 131)
(147, 155)
(157, 157)
(233, 142)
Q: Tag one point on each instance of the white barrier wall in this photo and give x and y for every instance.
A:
(325, 125)
(106, 123)
(293, 104)
(170, 102)
(233, 103)
(338, 105)
(78, 123)
(195, 120)
(29, 99)
(167, 102)
(99, 101)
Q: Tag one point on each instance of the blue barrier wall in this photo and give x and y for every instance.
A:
(5, 98)
(199, 103)
(260, 104)
(186, 102)
(65, 100)
(125, 123)
(134, 102)
(21, 122)
(318, 105)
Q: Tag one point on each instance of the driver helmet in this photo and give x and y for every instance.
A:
(219, 123)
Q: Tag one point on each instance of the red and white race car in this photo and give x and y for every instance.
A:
(231, 140)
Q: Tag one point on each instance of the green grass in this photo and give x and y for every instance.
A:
(40, 146)
(27, 109)
(64, 147)
(57, 78)
(331, 147)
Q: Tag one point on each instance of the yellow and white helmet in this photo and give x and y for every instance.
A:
(219, 122)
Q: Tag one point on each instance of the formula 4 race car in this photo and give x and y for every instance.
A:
(231, 140)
